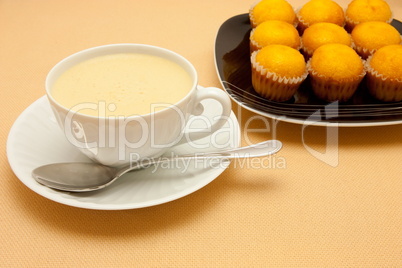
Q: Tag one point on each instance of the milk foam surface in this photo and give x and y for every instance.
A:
(121, 84)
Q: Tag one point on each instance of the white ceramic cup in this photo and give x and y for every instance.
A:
(118, 140)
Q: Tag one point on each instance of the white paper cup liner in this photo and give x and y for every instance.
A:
(254, 45)
(308, 53)
(365, 52)
(350, 24)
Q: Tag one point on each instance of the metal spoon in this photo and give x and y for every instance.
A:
(85, 177)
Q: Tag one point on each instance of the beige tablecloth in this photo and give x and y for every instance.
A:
(306, 211)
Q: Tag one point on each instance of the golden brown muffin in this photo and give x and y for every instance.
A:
(272, 10)
(323, 33)
(316, 11)
(277, 72)
(384, 73)
(274, 32)
(359, 11)
(372, 35)
(335, 72)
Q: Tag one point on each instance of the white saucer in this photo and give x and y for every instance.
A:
(35, 139)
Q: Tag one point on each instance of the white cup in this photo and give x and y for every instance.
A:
(118, 140)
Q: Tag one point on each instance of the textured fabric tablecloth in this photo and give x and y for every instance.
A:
(303, 212)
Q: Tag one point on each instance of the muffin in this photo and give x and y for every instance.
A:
(323, 33)
(372, 35)
(384, 73)
(277, 72)
(272, 10)
(320, 11)
(359, 11)
(274, 32)
(335, 72)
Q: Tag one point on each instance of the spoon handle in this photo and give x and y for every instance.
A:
(256, 150)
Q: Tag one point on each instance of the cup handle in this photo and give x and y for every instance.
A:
(209, 93)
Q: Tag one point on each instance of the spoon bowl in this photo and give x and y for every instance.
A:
(74, 177)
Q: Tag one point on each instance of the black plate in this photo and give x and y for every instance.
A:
(232, 58)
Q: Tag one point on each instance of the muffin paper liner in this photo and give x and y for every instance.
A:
(365, 52)
(350, 24)
(308, 53)
(331, 90)
(302, 24)
(251, 14)
(271, 86)
(254, 46)
(381, 87)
